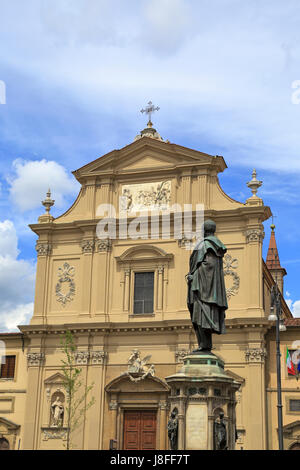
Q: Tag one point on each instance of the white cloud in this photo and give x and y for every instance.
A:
(294, 307)
(74, 23)
(226, 77)
(289, 303)
(31, 180)
(169, 24)
(17, 278)
(20, 315)
(8, 240)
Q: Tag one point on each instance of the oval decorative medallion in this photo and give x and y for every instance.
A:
(65, 275)
(229, 265)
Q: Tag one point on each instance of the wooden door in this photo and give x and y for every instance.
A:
(139, 430)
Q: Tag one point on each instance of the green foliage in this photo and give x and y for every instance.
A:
(76, 392)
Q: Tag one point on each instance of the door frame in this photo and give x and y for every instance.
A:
(123, 394)
(138, 409)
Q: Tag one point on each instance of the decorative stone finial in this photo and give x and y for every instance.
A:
(254, 184)
(47, 203)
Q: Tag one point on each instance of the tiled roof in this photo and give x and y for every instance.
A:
(12, 334)
(292, 321)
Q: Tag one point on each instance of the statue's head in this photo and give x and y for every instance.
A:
(209, 227)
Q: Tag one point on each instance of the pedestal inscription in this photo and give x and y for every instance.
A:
(196, 426)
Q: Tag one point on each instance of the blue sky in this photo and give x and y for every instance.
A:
(77, 74)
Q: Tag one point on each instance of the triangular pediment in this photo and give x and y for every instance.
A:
(123, 384)
(147, 155)
(236, 377)
(7, 425)
(292, 426)
(145, 161)
(55, 379)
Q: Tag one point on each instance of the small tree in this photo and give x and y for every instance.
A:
(76, 402)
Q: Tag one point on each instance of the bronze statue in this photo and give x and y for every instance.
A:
(207, 300)
(173, 429)
(220, 433)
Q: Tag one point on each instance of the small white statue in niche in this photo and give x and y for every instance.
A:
(57, 410)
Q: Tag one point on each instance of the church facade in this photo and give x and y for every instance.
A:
(124, 300)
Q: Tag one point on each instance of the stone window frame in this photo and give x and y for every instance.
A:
(14, 378)
(141, 271)
(287, 404)
(155, 260)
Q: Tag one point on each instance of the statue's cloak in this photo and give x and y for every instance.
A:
(207, 300)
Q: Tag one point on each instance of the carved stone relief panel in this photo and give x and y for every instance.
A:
(146, 196)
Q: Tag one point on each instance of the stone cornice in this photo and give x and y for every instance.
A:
(243, 212)
(145, 327)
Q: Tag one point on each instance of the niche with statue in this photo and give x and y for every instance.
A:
(57, 410)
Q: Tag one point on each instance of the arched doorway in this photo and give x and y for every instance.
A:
(295, 446)
(4, 444)
(136, 418)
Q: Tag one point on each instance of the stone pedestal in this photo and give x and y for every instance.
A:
(200, 392)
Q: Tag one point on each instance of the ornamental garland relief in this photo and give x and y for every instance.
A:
(65, 288)
(230, 265)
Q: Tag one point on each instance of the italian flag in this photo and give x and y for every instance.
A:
(289, 363)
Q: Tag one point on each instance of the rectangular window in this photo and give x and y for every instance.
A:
(8, 369)
(295, 405)
(143, 293)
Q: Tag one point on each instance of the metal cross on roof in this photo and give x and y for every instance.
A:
(273, 225)
(150, 109)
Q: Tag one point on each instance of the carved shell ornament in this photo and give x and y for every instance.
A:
(230, 265)
(65, 275)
